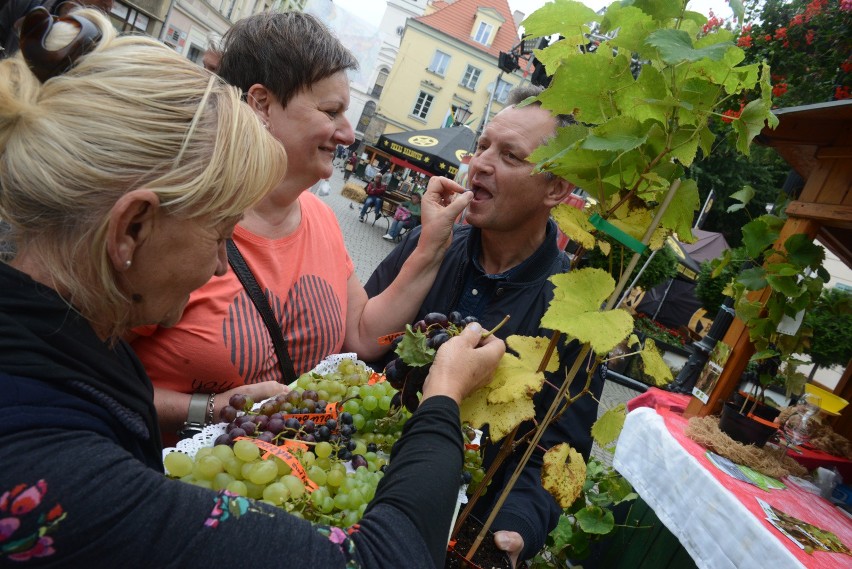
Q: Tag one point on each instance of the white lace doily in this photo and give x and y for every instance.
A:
(211, 432)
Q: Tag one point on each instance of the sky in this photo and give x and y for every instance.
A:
(371, 10)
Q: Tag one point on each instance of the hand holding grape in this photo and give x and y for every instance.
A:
(463, 364)
(256, 391)
(442, 203)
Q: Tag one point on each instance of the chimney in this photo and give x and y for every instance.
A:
(518, 16)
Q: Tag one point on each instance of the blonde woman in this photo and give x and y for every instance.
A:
(123, 170)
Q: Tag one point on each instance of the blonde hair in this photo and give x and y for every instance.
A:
(130, 114)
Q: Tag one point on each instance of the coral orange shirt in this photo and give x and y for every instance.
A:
(221, 341)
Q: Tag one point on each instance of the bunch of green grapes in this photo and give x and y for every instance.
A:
(472, 471)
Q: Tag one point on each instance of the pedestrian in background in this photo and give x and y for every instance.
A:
(375, 190)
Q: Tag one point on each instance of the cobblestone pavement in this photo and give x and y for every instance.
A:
(367, 249)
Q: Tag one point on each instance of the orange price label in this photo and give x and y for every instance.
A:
(376, 378)
(386, 340)
(318, 418)
(282, 453)
(469, 446)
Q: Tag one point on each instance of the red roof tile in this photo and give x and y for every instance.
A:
(456, 19)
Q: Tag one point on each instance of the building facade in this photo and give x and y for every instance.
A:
(448, 60)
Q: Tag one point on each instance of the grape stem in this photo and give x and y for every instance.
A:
(496, 328)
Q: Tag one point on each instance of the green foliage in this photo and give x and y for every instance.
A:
(831, 321)
(413, 348)
(711, 283)
(661, 268)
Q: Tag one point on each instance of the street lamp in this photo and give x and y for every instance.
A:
(461, 115)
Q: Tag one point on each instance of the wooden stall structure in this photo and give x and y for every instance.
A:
(816, 140)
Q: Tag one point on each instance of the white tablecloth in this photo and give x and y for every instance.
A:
(713, 526)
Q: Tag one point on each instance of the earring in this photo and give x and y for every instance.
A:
(127, 264)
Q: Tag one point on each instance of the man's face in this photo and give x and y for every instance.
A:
(506, 196)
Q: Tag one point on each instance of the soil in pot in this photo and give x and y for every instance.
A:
(487, 556)
(742, 428)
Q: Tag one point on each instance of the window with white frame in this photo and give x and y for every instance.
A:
(439, 62)
(470, 77)
(422, 105)
(483, 33)
(502, 93)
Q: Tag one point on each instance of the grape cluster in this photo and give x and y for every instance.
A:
(366, 425)
(408, 376)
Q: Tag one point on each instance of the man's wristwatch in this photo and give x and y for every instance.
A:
(200, 413)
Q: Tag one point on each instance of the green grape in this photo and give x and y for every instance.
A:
(246, 451)
(341, 501)
(222, 480)
(254, 491)
(237, 487)
(304, 380)
(324, 463)
(189, 478)
(178, 464)
(352, 406)
(202, 452)
(223, 452)
(283, 468)
(385, 402)
(297, 489)
(208, 467)
(351, 518)
(277, 493)
(307, 459)
(353, 391)
(369, 402)
(263, 472)
(317, 474)
(335, 478)
(359, 421)
(323, 450)
(356, 498)
(323, 394)
(245, 471)
(204, 484)
(327, 505)
(360, 448)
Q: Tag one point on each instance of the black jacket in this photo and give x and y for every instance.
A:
(529, 510)
(81, 481)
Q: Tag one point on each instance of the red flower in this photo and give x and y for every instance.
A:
(842, 92)
(809, 37)
(846, 66)
(744, 41)
(730, 115)
(781, 34)
(767, 37)
(846, 5)
(54, 513)
(797, 20)
(779, 89)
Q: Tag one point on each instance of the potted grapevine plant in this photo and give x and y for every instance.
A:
(642, 97)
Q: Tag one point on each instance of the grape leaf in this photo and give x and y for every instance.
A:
(802, 251)
(564, 480)
(558, 146)
(678, 217)
(633, 27)
(648, 98)
(501, 418)
(753, 278)
(564, 17)
(575, 309)
(514, 379)
(618, 489)
(744, 196)
(757, 236)
(618, 134)
(608, 426)
(661, 10)
(675, 46)
(654, 364)
(574, 223)
(413, 349)
(531, 350)
(594, 519)
(751, 121)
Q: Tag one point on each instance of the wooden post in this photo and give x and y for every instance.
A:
(737, 335)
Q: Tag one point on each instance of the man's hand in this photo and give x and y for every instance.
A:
(511, 542)
(442, 203)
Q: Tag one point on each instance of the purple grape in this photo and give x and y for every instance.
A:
(323, 433)
(309, 439)
(455, 317)
(275, 426)
(345, 418)
(266, 436)
(268, 408)
(227, 413)
(331, 424)
(249, 427)
(236, 433)
(358, 461)
(292, 424)
(310, 394)
(238, 401)
(420, 326)
(435, 319)
(308, 427)
(222, 439)
(261, 421)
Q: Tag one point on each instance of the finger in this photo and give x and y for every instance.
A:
(442, 189)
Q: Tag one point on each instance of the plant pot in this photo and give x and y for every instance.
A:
(762, 410)
(742, 428)
(486, 557)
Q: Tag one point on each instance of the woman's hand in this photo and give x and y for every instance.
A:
(256, 391)
(463, 364)
(442, 203)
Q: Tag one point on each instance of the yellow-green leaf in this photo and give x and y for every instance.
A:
(607, 428)
(654, 364)
(531, 350)
(501, 418)
(576, 309)
(574, 223)
(513, 380)
(563, 474)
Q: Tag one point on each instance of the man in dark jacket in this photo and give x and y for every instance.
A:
(498, 265)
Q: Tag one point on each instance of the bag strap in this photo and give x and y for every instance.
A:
(244, 274)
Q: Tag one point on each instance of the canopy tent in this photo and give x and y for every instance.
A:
(708, 245)
(438, 151)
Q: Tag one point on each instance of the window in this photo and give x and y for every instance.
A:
(195, 54)
(421, 107)
(380, 83)
(470, 77)
(366, 116)
(502, 93)
(439, 63)
(483, 33)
